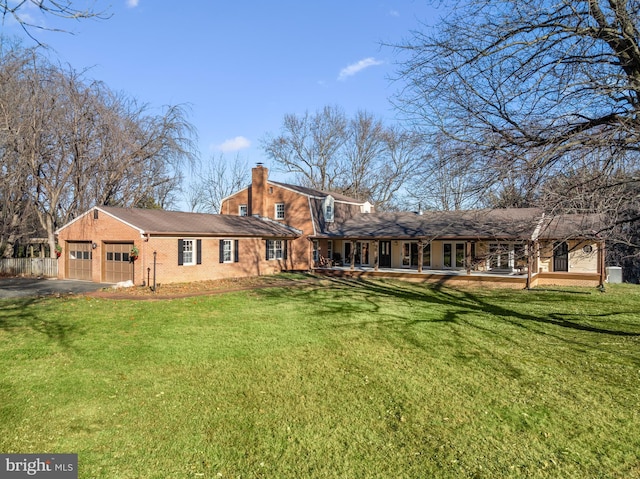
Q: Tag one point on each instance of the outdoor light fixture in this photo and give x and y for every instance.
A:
(94, 245)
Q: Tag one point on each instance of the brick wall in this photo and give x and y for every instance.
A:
(297, 212)
(103, 229)
(106, 229)
(251, 260)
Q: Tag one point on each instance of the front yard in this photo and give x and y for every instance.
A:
(332, 379)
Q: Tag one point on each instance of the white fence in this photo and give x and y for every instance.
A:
(29, 267)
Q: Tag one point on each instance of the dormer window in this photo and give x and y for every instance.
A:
(328, 205)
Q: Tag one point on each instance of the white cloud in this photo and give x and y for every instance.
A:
(132, 3)
(358, 67)
(234, 144)
(394, 13)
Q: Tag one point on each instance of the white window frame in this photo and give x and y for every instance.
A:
(504, 258)
(227, 251)
(361, 246)
(188, 252)
(329, 209)
(275, 250)
(279, 211)
(243, 210)
(426, 248)
(454, 258)
(330, 250)
(316, 251)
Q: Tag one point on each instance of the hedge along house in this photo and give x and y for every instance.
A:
(110, 245)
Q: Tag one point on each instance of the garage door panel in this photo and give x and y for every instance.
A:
(117, 262)
(79, 260)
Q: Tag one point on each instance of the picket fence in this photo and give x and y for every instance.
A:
(29, 267)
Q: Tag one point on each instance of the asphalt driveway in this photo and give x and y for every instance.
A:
(25, 287)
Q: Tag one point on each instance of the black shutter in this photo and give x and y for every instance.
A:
(180, 252)
(221, 253)
(267, 250)
(284, 253)
(198, 251)
(235, 251)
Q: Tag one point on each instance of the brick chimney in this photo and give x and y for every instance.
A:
(259, 176)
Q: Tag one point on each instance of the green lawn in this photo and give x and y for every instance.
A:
(340, 379)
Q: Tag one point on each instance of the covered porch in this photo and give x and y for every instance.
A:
(454, 278)
(500, 263)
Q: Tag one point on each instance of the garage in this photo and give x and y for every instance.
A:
(79, 260)
(117, 262)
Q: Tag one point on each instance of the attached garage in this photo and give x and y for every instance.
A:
(170, 246)
(117, 262)
(79, 260)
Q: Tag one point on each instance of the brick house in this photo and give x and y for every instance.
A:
(345, 235)
(177, 247)
(269, 227)
(310, 211)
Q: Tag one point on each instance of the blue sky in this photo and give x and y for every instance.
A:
(242, 65)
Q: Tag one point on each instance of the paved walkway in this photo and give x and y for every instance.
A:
(26, 287)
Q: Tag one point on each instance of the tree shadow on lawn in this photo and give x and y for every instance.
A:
(463, 299)
(18, 314)
(458, 305)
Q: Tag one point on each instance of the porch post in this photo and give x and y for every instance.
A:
(530, 252)
(352, 255)
(601, 263)
(467, 256)
(420, 246)
(376, 250)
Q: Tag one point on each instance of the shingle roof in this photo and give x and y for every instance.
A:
(178, 222)
(499, 223)
(571, 225)
(319, 193)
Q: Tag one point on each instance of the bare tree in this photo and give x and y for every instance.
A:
(448, 177)
(530, 85)
(68, 144)
(15, 211)
(219, 179)
(21, 12)
(308, 146)
(360, 157)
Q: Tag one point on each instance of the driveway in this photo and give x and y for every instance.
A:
(24, 287)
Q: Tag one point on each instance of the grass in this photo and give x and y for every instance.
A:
(344, 379)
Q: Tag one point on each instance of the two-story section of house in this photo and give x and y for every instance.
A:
(308, 210)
